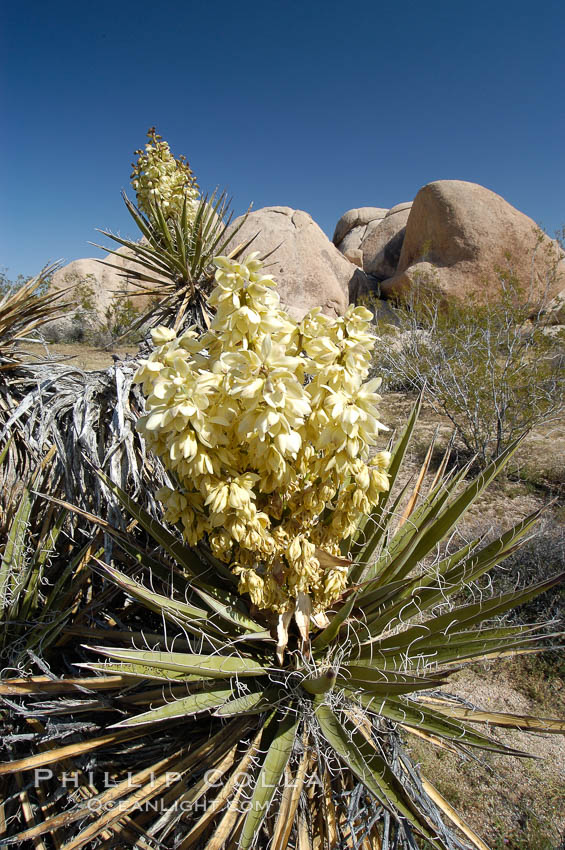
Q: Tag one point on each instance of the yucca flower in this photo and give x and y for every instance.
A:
(160, 179)
(182, 231)
(234, 418)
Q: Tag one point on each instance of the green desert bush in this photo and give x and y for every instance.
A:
(84, 316)
(7, 285)
(491, 364)
(80, 316)
(120, 317)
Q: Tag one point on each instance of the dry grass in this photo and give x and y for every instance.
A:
(84, 356)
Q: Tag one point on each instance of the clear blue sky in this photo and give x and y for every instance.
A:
(321, 106)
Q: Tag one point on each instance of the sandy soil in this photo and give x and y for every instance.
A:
(510, 802)
(84, 356)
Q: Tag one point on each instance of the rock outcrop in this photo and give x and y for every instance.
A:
(383, 240)
(372, 237)
(351, 227)
(458, 234)
(92, 288)
(554, 313)
(309, 270)
(455, 236)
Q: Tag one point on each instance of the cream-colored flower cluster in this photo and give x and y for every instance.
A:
(158, 176)
(266, 425)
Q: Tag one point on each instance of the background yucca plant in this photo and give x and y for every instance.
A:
(24, 310)
(230, 748)
(175, 258)
(182, 233)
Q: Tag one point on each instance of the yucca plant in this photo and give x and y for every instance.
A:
(42, 570)
(44, 584)
(23, 311)
(309, 622)
(182, 232)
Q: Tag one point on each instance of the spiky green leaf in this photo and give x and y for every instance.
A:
(270, 775)
(202, 700)
(256, 702)
(207, 666)
(372, 770)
